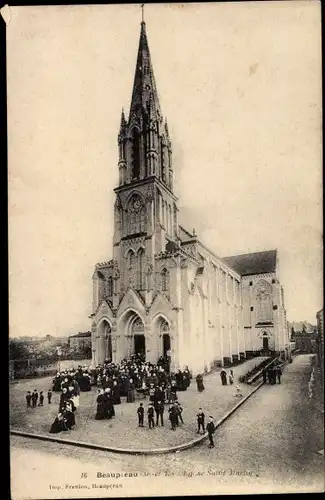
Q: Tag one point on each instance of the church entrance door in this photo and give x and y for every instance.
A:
(139, 340)
(166, 343)
(265, 343)
(139, 344)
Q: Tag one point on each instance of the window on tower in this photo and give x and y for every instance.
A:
(136, 216)
(140, 269)
(131, 267)
(110, 286)
(136, 154)
(165, 280)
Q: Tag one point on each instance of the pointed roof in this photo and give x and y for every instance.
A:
(253, 263)
(144, 86)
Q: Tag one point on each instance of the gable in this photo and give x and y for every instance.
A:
(161, 305)
(133, 300)
(104, 310)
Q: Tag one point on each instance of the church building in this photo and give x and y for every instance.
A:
(164, 292)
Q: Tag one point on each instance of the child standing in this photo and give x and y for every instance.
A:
(150, 412)
(49, 396)
(179, 410)
(140, 412)
(41, 399)
(28, 399)
(200, 421)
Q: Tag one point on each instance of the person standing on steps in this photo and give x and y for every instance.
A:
(211, 429)
(264, 375)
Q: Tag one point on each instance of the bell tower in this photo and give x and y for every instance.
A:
(146, 208)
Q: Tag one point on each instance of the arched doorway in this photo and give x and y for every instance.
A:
(265, 342)
(108, 341)
(164, 333)
(104, 342)
(139, 340)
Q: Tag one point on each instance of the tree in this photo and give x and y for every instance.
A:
(18, 350)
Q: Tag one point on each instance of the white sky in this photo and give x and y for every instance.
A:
(240, 85)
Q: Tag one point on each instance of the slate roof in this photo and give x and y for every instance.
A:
(253, 263)
(184, 234)
(81, 335)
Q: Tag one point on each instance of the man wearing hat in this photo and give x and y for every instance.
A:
(211, 429)
(150, 412)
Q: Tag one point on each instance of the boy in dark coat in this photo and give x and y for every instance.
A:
(173, 417)
(140, 412)
(179, 411)
(28, 399)
(41, 399)
(151, 421)
(159, 409)
(49, 396)
(211, 428)
(200, 421)
(34, 398)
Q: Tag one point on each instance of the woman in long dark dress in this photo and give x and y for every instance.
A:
(130, 398)
(69, 415)
(223, 375)
(173, 392)
(100, 413)
(109, 411)
(199, 382)
(63, 398)
(59, 424)
(116, 393)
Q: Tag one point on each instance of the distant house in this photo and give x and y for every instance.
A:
(80, 341)
(304, 335)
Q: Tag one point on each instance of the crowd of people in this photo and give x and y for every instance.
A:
(272, 374)
(134, 375)
(130, 378)
(81, 376)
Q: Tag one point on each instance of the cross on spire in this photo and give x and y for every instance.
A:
(142, 12)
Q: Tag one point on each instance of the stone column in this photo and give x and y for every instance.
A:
(151, 351)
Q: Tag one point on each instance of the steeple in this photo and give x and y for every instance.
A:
(145, 149)
(144, 86)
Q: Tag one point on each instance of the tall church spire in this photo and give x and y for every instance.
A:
(144, 86)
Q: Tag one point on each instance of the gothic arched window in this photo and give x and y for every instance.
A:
(136, 154)
(110, 286)
(131, 267)
(165, 280)
(140, 269)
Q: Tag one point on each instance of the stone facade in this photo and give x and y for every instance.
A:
(164, 292)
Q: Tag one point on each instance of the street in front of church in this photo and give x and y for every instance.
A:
(272, 441)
